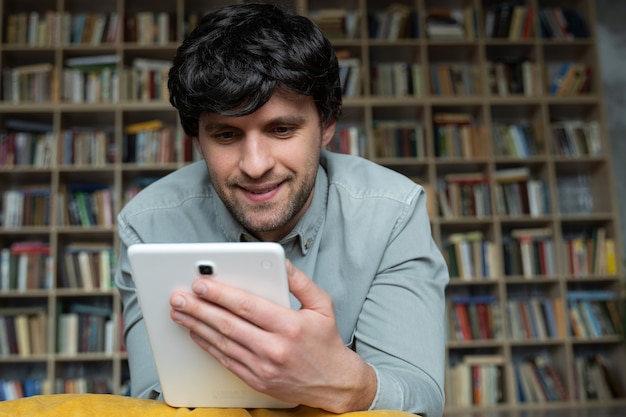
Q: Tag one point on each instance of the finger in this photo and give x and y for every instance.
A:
(310, 295)
(262, 313)
(212, 327)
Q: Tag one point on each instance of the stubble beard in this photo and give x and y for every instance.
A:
(268, 217)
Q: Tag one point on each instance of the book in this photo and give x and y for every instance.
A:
(92, 61)
(138, 127)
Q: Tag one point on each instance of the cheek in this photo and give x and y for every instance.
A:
(219, 162)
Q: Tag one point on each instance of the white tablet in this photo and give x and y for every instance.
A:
(189, 376)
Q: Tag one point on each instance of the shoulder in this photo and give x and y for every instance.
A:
(171, 191)
(361, 178)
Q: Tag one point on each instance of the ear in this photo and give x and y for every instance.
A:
(328, 132)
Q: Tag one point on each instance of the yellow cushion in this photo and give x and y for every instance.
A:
(104, 405)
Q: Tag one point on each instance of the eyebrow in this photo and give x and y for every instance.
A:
(282, 120)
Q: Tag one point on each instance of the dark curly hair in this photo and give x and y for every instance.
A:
(237, 56)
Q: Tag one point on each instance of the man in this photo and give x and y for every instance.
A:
(257, 88)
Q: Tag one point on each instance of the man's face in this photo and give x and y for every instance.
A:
(263, 165)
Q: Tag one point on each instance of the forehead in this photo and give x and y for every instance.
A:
(281, 105)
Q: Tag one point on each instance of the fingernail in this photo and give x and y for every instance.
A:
(178, 301)
(199, 288)
(177, 316)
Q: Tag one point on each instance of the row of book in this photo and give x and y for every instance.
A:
(471, 257)
(457, 135)
(398, 139)
(539, 381)
(536, 318)
(397, 21)
(80, 327)
(26, 265)
(87, 204)
(88, 266)
(529, 253)
(587, 314)
(513, 76)
(476, 380)
(516, 194)
(150, 28)
(91, 79)
(27, 206)
(473, 318)
(509, 76)
(83, 385)
(451, 24)
(515, 21)
(350, 75)
(569, 78)
(589, 253)
(144, 142)
(13, 389)
(464, 195)
(510, 21)
(85, 328)
(594, 314)
(51, 28)
(595, 379)
(562, 23)
(27, 148)
(397, 79)
(87, 147)
(23, 331)
(88, 79)
(146, 80)
(515, 139)
(151, 142)
(576, 138)
(459, 79)
(34, 83)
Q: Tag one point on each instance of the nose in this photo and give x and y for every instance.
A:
(256, 157)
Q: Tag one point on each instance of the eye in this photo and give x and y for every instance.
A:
(226, 136)
(283, 131)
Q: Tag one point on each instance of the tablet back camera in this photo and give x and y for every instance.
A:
(205, 269)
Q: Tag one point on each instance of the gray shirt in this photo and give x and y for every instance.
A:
(365, 239)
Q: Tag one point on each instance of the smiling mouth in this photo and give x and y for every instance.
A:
(261, 191)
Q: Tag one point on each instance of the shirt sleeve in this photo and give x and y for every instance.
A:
(143, 373)
(401, 328)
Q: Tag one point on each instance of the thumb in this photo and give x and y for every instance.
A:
(310, 295)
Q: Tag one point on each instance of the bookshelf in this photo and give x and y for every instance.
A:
(502, 120)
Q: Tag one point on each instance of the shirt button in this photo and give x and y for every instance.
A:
(307, 244)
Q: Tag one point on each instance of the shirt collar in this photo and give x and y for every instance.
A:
(304, 233)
